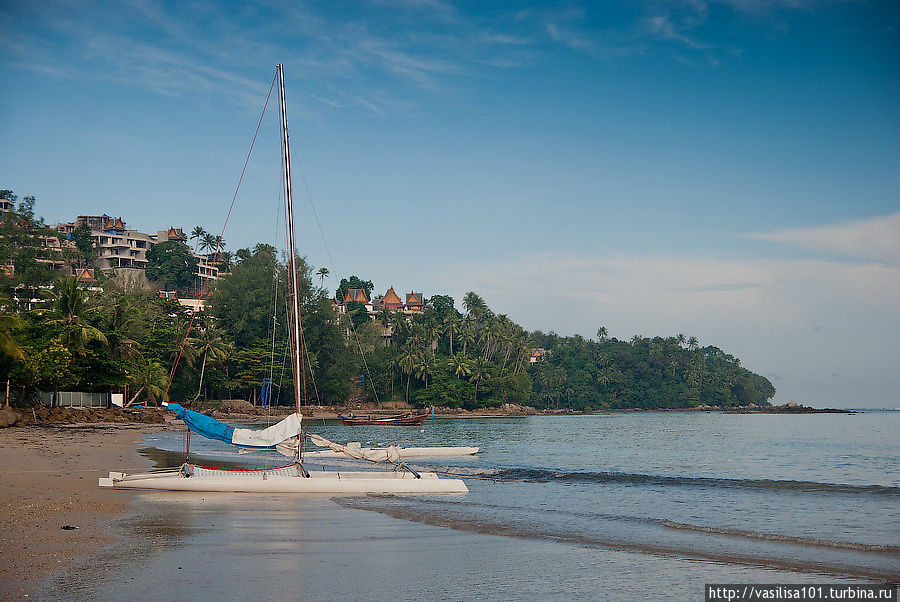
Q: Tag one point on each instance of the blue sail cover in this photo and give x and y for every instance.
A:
(269, 438)
(203, 424)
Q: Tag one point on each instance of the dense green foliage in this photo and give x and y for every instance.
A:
(57, 335)
(23, 248)
(671, 372)
(172, 264)
(443, 357)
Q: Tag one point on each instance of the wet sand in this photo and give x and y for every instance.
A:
(203, 546)
(48, 479)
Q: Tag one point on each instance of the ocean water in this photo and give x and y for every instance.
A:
(612, 506)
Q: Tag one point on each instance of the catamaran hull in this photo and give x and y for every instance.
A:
(339, 483)
(404, 452)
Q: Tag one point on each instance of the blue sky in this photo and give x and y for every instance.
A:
(727, 169)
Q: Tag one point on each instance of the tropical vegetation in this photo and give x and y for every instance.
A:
(59, 333)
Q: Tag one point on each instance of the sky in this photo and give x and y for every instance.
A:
(726, 169)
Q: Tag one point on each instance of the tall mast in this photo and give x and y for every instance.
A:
(296, 340)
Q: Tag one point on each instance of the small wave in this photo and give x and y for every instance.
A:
(416, 513)
(804, 541)
(539, 475)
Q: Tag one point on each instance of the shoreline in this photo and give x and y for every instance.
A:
(50, 481)
(334, 412)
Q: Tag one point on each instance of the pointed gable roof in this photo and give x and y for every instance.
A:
(414, 300)
(391, 299)
(355, 294)
(113, 224)
(86, 275)
(176, 234)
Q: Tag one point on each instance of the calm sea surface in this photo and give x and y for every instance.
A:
(608, 506)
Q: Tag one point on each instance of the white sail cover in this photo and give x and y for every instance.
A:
(389, 454)
(275, 434)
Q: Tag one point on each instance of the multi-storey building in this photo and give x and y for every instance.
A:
(121, 247)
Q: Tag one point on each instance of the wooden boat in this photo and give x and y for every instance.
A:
(286, 436)
(403, 452)
(405, 419)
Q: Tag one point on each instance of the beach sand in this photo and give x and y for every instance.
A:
(49, 480)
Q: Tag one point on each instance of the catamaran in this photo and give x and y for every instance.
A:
(287, 436)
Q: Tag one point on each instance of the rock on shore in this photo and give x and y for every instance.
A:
(41, 415)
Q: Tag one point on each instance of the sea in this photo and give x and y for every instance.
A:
(613, 506)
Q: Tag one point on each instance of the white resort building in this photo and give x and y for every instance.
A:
(120, 247)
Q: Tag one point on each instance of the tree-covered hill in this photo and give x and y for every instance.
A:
(672, 372)
(56, 334)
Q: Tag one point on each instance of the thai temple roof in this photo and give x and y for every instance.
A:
(356, 294)
(414, 299)
(391, 299)
(114, 224)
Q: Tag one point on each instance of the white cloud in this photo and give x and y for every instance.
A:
(876, 239)
(801, 320)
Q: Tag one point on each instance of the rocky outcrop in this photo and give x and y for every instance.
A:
(42, 415)
(10, 417)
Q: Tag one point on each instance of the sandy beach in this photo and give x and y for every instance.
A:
(49, 480)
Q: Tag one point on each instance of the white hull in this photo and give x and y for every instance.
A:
(332, 482)
(404, 452)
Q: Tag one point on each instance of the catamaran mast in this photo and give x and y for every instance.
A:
(296, 332)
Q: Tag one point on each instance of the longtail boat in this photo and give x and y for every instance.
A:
(405, 419)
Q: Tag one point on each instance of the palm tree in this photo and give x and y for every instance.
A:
(150, 377)
(432, 332)
(681, 339)
(207, 344)
(322, 274)
(197, 234)
(475, 305)
(467, 334)
(9, 323)
(225, 257)
(479, 373)
(118, 323)
(407, 361)
(69, 306)
(693, 344)
(423, 368)
(489, 331)
(207, 242)
(602, 333)
(460, 365)
(524, 353)
(452, 325)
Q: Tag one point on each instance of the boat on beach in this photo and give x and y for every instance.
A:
(287, 436)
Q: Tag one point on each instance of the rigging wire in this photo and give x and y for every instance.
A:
(333, 269)
(205, 281)
(205, 284)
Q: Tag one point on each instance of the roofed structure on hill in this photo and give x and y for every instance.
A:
(391, 300)
(176, 234)
(355, 294)
(86, 275)
(113, 223)
(415, 301)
